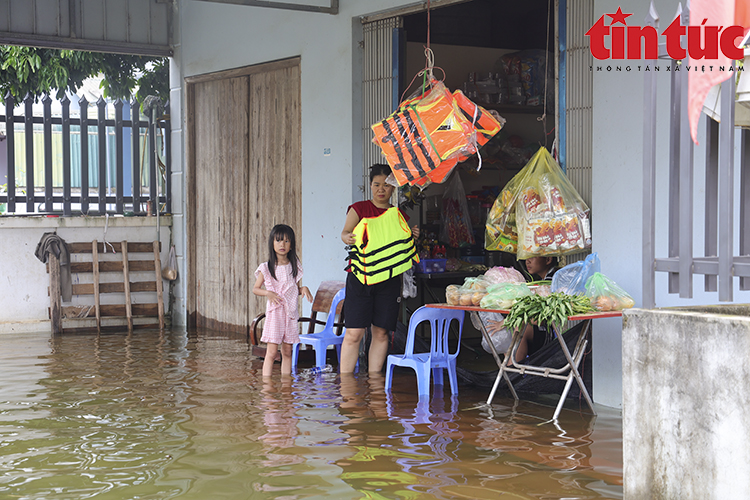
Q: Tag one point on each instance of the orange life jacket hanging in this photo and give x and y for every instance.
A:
(428, 135)
(422, 133)
(485, 126)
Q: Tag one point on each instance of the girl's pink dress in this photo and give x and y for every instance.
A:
(281, 319)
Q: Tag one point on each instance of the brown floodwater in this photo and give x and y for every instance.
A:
(183, 415)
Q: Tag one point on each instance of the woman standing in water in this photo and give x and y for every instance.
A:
(372, 305)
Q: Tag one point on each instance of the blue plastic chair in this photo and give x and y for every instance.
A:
(438, 358)
(322, 339)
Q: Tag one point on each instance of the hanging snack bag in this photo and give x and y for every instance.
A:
(551, 218)
(606, 295)
(500, 229)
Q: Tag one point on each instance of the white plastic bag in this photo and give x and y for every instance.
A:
(500, 336)
(408, 284)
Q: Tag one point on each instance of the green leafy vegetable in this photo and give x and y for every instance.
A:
(552, 309)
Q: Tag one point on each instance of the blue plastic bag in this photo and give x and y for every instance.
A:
(571, 279)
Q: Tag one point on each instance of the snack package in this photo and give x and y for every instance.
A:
(500, 233)
(551, 218)
(455, 222)
(606, 295)
(571, 279)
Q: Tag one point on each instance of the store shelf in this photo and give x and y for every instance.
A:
(514, 108)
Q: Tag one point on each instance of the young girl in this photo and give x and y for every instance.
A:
(281, 276)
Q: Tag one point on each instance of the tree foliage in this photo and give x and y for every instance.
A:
(35, 71)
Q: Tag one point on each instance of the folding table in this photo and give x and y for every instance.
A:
(567, 372)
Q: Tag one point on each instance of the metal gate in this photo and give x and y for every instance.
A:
(380, 85)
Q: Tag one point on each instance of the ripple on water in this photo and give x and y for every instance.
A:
(175, 415)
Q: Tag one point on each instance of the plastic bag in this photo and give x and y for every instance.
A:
(468, 294)
(606, 295)
(500, 232)
(551, 218)
(501, 274)
(499, 335)
(504, 295)
(571, 279)
(455, 222)
(169, 272)
(408, 284)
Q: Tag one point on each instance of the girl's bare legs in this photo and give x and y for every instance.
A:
(350, 349)
(378, 349)
(271, 350)
(286, 359)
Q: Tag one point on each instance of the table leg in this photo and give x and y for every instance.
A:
(500, 364)
(573, 361)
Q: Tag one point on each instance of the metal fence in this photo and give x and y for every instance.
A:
(94, 180)
(718, 264)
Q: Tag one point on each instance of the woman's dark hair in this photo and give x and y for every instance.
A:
(278, 233)
(379, 169)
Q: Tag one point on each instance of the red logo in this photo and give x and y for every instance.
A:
(637, 42)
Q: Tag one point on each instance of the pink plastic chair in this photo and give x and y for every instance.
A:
(438, 358)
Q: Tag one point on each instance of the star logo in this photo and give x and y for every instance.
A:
(619, 17)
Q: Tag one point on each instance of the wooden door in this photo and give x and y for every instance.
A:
(275, 159)
(244, 176)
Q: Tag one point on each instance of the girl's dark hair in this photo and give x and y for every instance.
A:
(278, 233)
(379, 169)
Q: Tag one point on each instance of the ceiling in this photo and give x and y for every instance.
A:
(502, 24)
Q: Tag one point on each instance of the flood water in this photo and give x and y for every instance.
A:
(183, 415)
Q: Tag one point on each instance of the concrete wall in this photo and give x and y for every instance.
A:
(213, 37)
(24, 302)
(685, 429)
(617, 189)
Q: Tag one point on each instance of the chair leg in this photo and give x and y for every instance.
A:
(295, 354)
(437, 376)
(423, 379)
(453, 378)
(388, 375)
(320, 356)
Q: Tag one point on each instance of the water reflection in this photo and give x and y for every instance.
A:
(178, 415)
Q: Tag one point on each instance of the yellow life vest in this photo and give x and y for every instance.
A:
(384, 247)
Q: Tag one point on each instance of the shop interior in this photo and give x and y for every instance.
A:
(494, 51)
